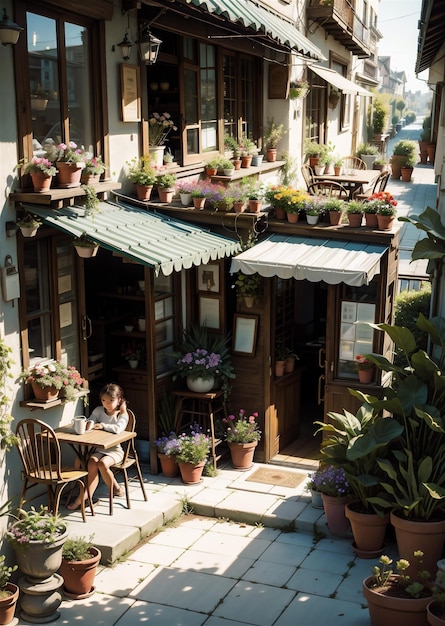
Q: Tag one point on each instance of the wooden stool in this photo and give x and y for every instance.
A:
(202, 409)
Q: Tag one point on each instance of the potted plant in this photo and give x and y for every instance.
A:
(336, 208)
(227, 167)
(413, 486)
(167, 447)
(365, 369)
(293, 201)
(85, 248)
(212, 165)
(316, 499)
(407, 168)
(255, 195)
(314, 208)
(28, 224)
(9, 593)
(380, 163)
(272, 135)
(93, 170)
(313, 151)
(396, 596)
(380, 116)
(436, 608)
(248, 287)
(238, 191)
(70, 161)
(184, 188)
(48, 379)
(247, 147)
(194, 448)
(202, 189)
(338, 162)
(160, 126)
(169, 159)
(335, 491)
(404, 150)
(326, 160)
(78, 568)
(424, 139)
(41, 171)
(355, 210)
(133, 354)
(143, 175)
(166, 186)
(384, 206)
(242, 436)
(355, 443)
(368, 153)
(298, 89)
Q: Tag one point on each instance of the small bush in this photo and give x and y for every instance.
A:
(408, 306)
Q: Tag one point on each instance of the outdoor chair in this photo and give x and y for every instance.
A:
(130, 458)
(379, 186)
(308, 174)
(328, 188)
(353, 163)
(40, 454)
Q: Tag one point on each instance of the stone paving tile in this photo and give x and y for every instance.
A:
(317, 583)
(161, 615)
(234, 566)
(311, 610)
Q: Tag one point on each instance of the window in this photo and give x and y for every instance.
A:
(165, 321)
(345, 103)
(315, 103)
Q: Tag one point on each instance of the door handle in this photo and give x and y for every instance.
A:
(321, 358)
(87, 327)
(320, 397)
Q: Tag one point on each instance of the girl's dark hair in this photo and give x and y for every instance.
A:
(112, 390)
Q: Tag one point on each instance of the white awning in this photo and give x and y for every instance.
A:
(350, 262)
(340, 82)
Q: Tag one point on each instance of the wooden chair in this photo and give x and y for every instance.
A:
(308, 174)
(379, 186)
(130, 458)
(39, 451)
(329, 188)
(353, 163)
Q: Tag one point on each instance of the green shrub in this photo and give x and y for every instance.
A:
(408, 306)
(77, 548)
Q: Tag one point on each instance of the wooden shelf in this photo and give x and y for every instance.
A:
(34, 404)
(61, 197)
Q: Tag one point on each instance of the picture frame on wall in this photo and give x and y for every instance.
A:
(278, 82)
(245, 328)
(210, 312)
(208, 278)
(130, 93)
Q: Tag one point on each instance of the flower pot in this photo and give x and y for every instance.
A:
(271, 155)
(199, 203)
(280, 213)
(289, 364)
(406, 173)
(334, 509)
(249, 301)
(229, 172)
(316, 499)
(431, 150)
(239, 206)
(279, 368)
(387, 610)
(313, 162)
(396, 165)
(255, 206)
(368, 530)
(371, 220)
(30, 231)
(69, 174)
(41, 181)
(133, 363)
(335, 217)
(292, 218)
(89, 179)
(143, 192)
(186, 199)
(211, 171)
(86, 252)
(169, 467)
(411, 535)
(237, 163)
(355, 219)
(8, 604)
(365, 376)
(319, 170)
(337, 170)
(246, 160)
(312, 219)
(39, 560)
(45, 394)
(166, 195)
(191, 474)
(257, 160)
(200, 385)
(434, 614)
(385, 222)
(78, 576)
(156, 155)
(242, 454)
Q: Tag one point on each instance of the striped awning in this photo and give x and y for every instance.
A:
(340, 82)
(166, 245)
(350, 262)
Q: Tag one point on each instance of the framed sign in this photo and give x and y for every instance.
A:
(208, 278)
(278, 82)
(244, 334)
(210, 312)
(130, 93)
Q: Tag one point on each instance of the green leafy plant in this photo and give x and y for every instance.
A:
(194, 447)
(367, 148)
(248, 285)
(141, 172)
(166, 181)
(355, 206)
(384, 576)
(53, 374)
(84, 242)
(7, 438)
(242, 429)
(38, 164)
(34, 525)
(28, 221)
(272, 134)
(331, 481)
(94, 165)
(5, 575)
(334, 204)
(77, 548)
(91, 201)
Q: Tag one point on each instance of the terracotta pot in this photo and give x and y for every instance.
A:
(280, 213)
(8, 604)
(431, 150)
(78, 576)
(368, 530)
(385, 222)
(371, 220)
(246, 160)
(249, 301)
(44, 393)
(428, 536)
(434, 614)
(242, 454)
(337, 170)
(407, 173)
(89, 179)
(199, 203)
(237, 163)
(69, 174)
(289, 364)
(271, 155)
(335, 217)
(211, 171)
(239, 206)
(396, 165)
(387, 610)
(292, 218)
(255, 206)
(166, 195)
(313, 161)
(169, 467)
(200, 385)
(279, 368)
(86, 252)
(41, 181)
(143, 192)
(355, 219)
(365, 376)
(334, 509)
(191, 474)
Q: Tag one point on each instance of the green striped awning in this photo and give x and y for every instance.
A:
(258, 18)
(166, 245)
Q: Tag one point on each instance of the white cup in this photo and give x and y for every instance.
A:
(81, 424)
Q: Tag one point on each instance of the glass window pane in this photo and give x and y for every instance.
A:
(193, 141)
(37, 300)
(191, 96)
(78, 83)
(67, 302)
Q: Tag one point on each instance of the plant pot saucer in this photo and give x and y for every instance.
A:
(78, 596)
(368, 554)
(198, 482)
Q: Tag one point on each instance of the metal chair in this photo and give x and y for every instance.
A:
(130, 458)
(39, 451)
(328, 188)
(353, 163)
(308, 174)
(378, 186)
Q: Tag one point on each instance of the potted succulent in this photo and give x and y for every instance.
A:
(248, 287)
(242, 436)
(85, 248)
(143, 175)
(165, 184)
(272, 135)
(78, 568)
(194, 448)
(9, 593)
(28, 225)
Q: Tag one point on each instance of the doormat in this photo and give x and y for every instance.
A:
(276, 477)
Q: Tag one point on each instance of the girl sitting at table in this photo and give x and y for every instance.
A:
(112, 416)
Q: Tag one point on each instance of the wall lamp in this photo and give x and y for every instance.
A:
(9, 30)
(125, 47)
(148, 46)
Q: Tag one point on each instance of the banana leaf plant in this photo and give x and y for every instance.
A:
(414, 470)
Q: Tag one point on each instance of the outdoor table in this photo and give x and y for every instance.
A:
(353, 180)
(84, 445)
